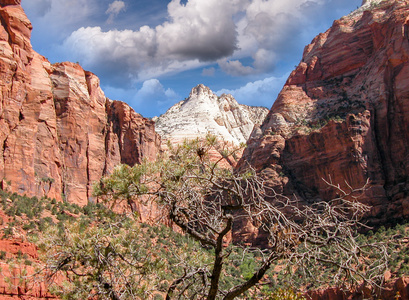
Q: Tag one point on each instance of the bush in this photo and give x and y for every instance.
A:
(47, 180)
(8, 231)
(285, 294)
(28, 262)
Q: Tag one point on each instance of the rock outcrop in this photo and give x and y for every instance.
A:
(204, 112)
(58, 132)
(343, 115)
(395, 289)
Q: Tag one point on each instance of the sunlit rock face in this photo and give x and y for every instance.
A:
(343, 115)
(204, 112)
(58, 132)
(370, 2)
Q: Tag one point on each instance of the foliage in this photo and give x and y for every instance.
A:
(316, 124)
(285, 294)
(180, 254)
(47, 180)
(205, 200)
(30, 207)
(103, 260)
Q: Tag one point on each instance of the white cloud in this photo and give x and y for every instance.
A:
(202, 30)
(149, 100)
(269, 29)
(152, 88)
(197, 34)
(154, 93)
(235, 68)
(258, 93)
(114, 9)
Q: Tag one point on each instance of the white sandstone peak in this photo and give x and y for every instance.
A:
(204, 112)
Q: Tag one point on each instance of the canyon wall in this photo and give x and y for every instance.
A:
(343, 115)
(58, 132)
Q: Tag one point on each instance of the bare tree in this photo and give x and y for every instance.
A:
(205, 200)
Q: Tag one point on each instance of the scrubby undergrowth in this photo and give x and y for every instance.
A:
(105, 242)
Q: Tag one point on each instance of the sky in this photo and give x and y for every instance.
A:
(151, 53)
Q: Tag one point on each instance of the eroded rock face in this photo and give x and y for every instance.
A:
(10, 2)
(355, 79)
(58, 132)
(203, 112)
(390, 290)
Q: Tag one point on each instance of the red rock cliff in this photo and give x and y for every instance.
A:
(355, 79)
(58, 131)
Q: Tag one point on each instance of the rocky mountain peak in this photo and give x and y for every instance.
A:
(369, 2)
(204, 112)
(200, 90)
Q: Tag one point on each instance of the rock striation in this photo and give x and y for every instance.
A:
(204, 112)
(58, 132)
(343, 115)
(395, 289)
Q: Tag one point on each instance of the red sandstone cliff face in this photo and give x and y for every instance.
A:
(58, 131)
(391, 290)
(356, 75)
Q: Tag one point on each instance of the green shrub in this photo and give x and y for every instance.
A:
(8, 231)
(28, 262)
(47, 179)
(285, 294)
(54, 210)
(29, 226)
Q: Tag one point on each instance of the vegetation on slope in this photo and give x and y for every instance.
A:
(92, 251)
(159, 253)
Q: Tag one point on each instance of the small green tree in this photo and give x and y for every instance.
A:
(204, 200)
(106, 259)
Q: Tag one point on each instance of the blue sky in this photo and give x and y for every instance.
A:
(151, 53)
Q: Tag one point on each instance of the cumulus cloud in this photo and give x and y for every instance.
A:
(198, 33)
(154, 93)
(153, 88)
(269, 29)
(149, 99)
(235, 68)
(200, 29)
(114, 9)
(258, 93)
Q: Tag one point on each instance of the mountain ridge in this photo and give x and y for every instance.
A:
(204, 112)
